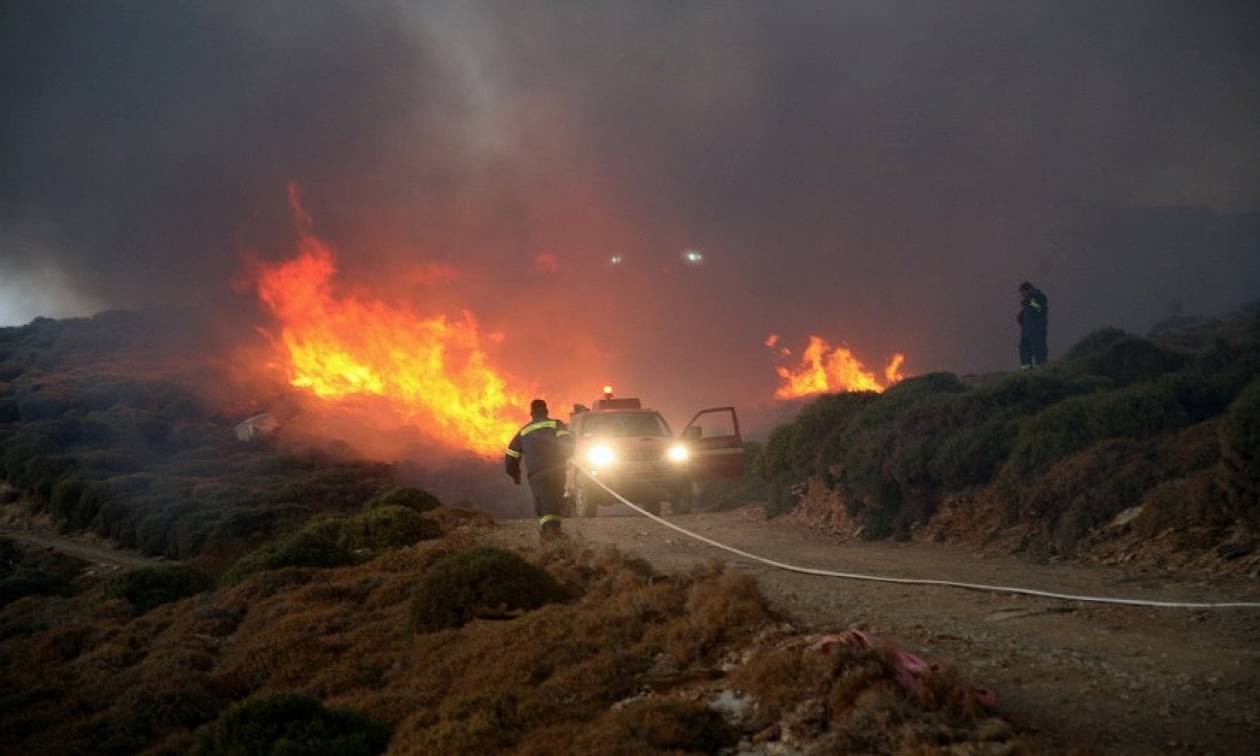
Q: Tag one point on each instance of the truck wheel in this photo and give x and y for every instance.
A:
(585, 503)
(680, 498)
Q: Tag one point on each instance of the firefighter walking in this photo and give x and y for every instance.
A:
(1034, 326)
(545, 445)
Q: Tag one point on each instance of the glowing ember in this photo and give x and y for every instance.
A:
(826, 369)
(343, 344)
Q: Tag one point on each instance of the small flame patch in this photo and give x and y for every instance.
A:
(826, 369)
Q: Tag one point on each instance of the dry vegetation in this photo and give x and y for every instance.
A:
(326, 610)
(1124, 449)
(116, 425)
(589, 652)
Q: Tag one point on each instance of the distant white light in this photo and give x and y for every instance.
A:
(692, 256)
(614, 260)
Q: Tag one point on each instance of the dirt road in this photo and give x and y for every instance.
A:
(102, 554)
(1117, 679)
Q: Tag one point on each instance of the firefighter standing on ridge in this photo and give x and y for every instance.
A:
(545, 445)
(1034, 325)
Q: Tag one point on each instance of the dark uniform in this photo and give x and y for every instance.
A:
(545, 445)
(1034, 326)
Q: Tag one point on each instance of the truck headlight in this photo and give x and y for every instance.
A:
(600, 456)
(677, 453)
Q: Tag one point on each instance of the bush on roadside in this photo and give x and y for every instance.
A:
(24, 582)
(333, 541)
(388, 527)
(317, 544)
(1119, 357)
(415, 499)
(149, 587)
(475, 581)
(289, 724)
(1141, 410)
(1240, 453)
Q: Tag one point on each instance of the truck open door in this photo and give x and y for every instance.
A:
(717, 449)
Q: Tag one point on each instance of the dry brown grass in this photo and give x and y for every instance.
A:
(566, 677)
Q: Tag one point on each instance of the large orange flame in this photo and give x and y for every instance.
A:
(340, 345)
(826, 369)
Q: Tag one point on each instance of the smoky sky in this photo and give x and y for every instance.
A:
(879, 174)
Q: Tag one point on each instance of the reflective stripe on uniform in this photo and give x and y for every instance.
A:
(564, 433)
(513, 453)
(1036, 304)
(537, 426)
(548, 518)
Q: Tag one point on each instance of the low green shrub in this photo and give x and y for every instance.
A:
(478, 580)
(1141, 410)
(318, 544)
(1240, 452)
(388, 527)
(1119, 357)
(289, 724)
(24, 582)
(333, 541)
(415, 499)
(10, 556)
(149, 587)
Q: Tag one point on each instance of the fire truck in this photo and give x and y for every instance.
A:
(632, 449)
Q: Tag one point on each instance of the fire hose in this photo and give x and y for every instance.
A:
(909, 581)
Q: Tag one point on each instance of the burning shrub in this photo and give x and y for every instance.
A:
(24, 582)
(149, 587)
(476, 581)
(288, 724)
(415, 499)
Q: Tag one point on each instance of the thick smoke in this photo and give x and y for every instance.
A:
(881, 174)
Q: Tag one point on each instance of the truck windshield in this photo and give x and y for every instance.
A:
(624, 425)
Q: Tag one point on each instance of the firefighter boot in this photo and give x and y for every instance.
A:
(549, 527)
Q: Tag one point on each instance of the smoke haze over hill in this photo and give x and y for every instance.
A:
(879, 174)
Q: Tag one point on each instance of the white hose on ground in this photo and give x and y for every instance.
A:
(912, 581)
